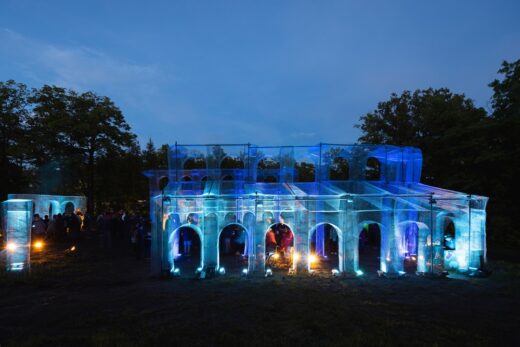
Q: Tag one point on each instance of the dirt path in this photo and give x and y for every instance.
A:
(107, 298)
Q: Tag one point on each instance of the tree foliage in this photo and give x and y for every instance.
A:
(464, 148)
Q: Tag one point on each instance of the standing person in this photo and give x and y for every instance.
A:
(270, 241)
(38, 227)
(60, 227)
(73, 224)
(107, 229)
(46, 221)
(186, 236)
(286, 239)
(51, 228)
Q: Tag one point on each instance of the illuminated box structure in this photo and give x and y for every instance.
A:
(324, 201)
(53, 204)
(16, 223)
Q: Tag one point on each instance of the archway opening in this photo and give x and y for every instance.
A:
(369, 249)
(188, 258)
(267, 170)
(305, 172)
(449, 245)
(232, 248)
(411, 246)
(373, 169)
(324, 248)
(279, 247)
(163, 182)
(339, 169)
(195, 163)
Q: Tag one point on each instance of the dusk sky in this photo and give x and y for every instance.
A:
(264, 72)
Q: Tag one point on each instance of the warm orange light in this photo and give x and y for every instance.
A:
(312, 258)
(38, 245)
(276, 256)
(11, 246)
(73, 248)
(296, 256)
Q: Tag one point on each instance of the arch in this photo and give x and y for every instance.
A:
(227, 178)
(186, 178)
(243, 237)
(163, 182)
(54, 208)
(340, 250)
(68, 207)
(194, 163)
(172, 237)
(231, 163)
(282, 245)
(339, 169)
(267, 170)
(371, 253)
(412, 248)
(305, 171)
(373, 169)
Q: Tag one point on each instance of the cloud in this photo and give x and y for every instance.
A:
(77, 67)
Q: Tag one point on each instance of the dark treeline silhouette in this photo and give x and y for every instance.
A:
(57, 141)
(465, 147)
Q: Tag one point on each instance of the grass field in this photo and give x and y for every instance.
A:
(100, 298)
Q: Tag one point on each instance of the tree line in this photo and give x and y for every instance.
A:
(465, 148)
(57, 141)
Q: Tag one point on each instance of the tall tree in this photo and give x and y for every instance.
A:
(97, 128)
(441, 123)
(13, 129)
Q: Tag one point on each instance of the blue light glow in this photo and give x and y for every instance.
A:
(305, 188)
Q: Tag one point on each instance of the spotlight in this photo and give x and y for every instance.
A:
(11, 247)
(276, 256)
(268, 272)
(38, 245)
(176, 272)
(244, 272)
(335, 272)
(359, 273)
(221, 271)
(296, 257)
(312, 258)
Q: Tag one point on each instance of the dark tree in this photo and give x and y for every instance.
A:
(13, 135)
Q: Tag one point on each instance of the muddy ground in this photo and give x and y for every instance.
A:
(94, 297)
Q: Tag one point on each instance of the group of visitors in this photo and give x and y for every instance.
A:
(234, 240)
(59, 228)
(280, 238)
(121, 226)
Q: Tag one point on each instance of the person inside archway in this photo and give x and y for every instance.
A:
(186, 237)
(270, 241)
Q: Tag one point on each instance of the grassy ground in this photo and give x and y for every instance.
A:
(99, 298)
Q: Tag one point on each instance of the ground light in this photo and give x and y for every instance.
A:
(359, 273)
(38, 245)
(11, 247)
(268, 272)
(176, 272)
(312, 258)
(296, 257)
(244, 272)
(221, 271)
(335, 272)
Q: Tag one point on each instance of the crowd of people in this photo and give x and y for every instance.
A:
(109, 227)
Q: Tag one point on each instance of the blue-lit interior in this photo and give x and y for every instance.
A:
(53, 204)
(325, 195)
(17, 220)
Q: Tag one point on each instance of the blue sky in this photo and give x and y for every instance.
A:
(264, 72)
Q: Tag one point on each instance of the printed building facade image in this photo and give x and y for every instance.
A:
(349, 209)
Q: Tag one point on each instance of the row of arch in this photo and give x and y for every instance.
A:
(235, 247)
(339, 169)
